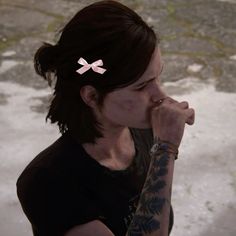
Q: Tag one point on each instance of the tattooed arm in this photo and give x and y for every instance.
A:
(152, 214)
(168, 123)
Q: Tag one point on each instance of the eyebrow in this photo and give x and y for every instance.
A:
(151, 79)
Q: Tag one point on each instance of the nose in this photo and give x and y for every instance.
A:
(157, 93)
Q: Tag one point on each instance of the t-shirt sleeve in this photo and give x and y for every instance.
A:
(54, 205)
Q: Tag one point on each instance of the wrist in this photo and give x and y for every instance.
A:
(165, 146)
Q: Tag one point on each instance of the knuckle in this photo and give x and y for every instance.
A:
(185, 104)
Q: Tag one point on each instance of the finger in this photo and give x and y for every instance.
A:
(171, 100)
(190, 116)
(183, 105)
(192, 119)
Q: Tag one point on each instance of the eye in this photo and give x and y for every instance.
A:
(155, 80)
(141, 88)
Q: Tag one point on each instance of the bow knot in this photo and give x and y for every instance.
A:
(86, 66)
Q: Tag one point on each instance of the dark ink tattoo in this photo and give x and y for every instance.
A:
(163, 161)
(156, 186)
(143, 224)
(150, 203)
(153, 205)
(162, 172)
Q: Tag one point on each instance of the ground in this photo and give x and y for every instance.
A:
(199, 50)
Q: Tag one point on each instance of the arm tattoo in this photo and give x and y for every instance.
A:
(153, 198)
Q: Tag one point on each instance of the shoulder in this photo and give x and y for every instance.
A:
(54, 201)
(52, 171)
(53, 204)
(57, 159)
(54, 153)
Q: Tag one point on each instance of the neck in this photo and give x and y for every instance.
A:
(115, 145)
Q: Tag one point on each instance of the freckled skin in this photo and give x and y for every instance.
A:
(129, 107)
(126, 107)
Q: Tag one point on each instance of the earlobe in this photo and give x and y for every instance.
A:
(89, 95)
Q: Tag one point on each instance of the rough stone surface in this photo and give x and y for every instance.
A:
(199, 32)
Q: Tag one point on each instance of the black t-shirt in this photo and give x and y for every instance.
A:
(63, 187)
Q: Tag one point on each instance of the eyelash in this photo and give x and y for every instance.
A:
(139, 89)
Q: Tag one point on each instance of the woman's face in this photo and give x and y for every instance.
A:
(131, 106)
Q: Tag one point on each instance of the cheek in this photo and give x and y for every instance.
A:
(123, 105)
(133, 105)
(129, 105)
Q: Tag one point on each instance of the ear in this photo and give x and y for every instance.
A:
(89, 95)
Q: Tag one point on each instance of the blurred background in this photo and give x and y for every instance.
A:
(199, 51)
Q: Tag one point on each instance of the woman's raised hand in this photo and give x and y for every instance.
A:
(169, 118)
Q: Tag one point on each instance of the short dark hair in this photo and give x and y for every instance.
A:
(104, 30)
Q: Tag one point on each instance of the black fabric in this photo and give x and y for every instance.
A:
(63, 187)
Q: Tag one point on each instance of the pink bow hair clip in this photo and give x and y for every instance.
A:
(86, 66)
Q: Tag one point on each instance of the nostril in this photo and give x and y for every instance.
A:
(159, 101)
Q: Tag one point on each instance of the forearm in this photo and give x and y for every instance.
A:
(152, 214)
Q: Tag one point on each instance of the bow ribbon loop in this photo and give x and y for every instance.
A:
(86, 66)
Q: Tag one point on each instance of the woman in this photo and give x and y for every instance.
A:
(110, 172)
